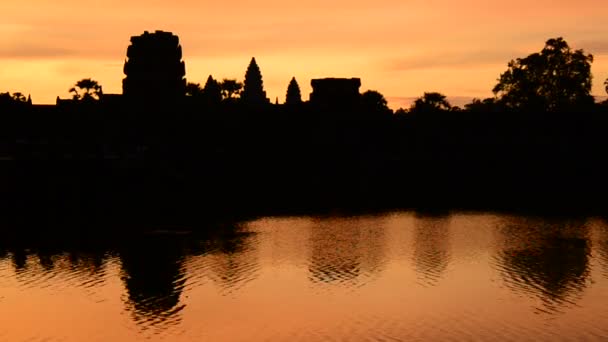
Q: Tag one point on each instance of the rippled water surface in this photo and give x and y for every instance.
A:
(392, 277)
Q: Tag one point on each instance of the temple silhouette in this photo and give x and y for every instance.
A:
(155, 75)
(154, 68)
(335, 93)
(167, 149)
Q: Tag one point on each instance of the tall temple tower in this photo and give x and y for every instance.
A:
(154, 68)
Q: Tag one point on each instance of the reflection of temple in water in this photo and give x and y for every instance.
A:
(549, 260)
(154, 277)
(431, 248)
(345, 250)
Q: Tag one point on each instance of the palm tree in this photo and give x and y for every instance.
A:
(86, 90)
(230, 88)
(19, 97)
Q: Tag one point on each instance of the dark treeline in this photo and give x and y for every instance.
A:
(155, 155)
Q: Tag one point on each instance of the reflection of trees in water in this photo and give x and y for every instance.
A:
(233, 261)
(344, 249)
(544, 258)
(431, 242)
(602, 247)
(57, 263)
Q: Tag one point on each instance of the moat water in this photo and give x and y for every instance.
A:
(390, 277)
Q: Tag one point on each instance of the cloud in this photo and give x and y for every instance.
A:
(594, 47)
(30, 51)
(452, 60)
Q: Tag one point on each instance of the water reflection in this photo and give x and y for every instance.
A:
(431, 247)
(314, 278)
(545, 259)
(151, 266)
(19, 258)
(233, 261)
(153, 276)
(602, 229)
(343, 249)
(65, 264)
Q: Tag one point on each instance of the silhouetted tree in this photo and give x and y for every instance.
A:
(553, 79)
(230, 88)
(293, 96)
(19, 97)
(6, 98)
(430, 102)
(401, 112)
(194, 89)
(253, 90)
(485, 105)
(212, 91)
(14, 98)
(372, 102)
(86, 90)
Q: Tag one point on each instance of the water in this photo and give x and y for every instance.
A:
(391, 277)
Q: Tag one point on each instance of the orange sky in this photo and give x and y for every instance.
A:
(398, 47)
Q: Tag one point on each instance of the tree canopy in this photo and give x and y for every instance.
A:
(373, 102)
(554, 79)
(294, 96)
(194, 89)
(431, 102)
(86, 90)
(231, 88)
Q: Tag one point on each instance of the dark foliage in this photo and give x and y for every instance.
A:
(430, 103)
(555, 79)
(373, 103)
(194, 89)
(86, 90)
(231, 88)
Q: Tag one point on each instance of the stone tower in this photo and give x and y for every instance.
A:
(154, 68)
(253, 88)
